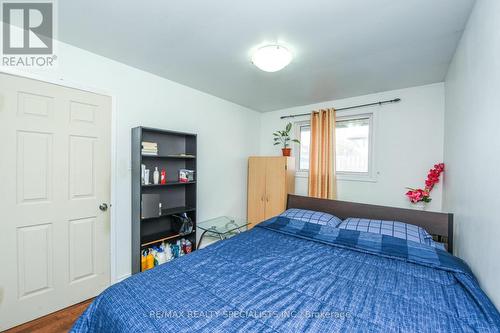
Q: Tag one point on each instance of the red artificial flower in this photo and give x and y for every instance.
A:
(417, 195)
(439, 167)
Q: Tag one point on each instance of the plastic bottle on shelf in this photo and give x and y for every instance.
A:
(155, 255)
(150, 260)
(160, 256)
(188, 246)
(175, 250)
(181, 251)
(143, 171)
(144, 255)
(168, 251)
(156, 176)
(183, 245)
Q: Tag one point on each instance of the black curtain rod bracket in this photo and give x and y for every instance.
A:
(396, 100)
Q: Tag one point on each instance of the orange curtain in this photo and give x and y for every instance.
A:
(322, 182)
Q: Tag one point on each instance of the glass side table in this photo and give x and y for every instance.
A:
(222, 227)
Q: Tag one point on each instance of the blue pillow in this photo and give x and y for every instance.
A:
(391, 228)
(312, 216)
(438, 245)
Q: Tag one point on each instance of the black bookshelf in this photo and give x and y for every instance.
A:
(176, 150)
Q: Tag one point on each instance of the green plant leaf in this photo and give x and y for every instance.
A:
(296, 141)
(277, 143)
(288, 127)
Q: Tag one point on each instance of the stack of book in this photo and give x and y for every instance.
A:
(149, 148)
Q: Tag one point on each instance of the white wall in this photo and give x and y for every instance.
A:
(408, 142)
(472, 145)
(227, 134)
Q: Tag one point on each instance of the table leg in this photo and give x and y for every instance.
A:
(201, 238)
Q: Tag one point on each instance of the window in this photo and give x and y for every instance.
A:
(354, 136)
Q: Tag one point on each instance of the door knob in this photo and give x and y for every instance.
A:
(103, 207)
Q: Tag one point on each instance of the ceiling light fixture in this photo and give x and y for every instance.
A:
(271, 58)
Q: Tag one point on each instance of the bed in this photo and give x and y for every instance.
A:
(287, 275)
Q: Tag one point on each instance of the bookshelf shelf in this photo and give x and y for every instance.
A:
(175, 151)
(168, 184)
(181, 157)
(171, 211)
(160, 237)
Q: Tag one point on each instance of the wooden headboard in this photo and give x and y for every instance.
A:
(440, 225)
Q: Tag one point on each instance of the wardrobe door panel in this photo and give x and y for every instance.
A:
(256, 190)
(275, 186)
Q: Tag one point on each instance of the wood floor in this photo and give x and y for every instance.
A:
(57, 322)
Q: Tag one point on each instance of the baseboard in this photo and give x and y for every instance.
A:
(121, 278)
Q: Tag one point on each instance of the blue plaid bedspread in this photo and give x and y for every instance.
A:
(293, 276)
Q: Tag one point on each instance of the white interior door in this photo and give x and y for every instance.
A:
(55, 173)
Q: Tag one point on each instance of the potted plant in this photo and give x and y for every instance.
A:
(283, 138)
(420, 197)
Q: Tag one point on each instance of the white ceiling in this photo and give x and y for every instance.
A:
(342, 48)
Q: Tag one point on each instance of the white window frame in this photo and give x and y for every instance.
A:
(371, 175)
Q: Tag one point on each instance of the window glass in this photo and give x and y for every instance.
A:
(353, 145)
(305, 140)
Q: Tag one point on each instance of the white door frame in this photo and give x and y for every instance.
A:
(114, 136)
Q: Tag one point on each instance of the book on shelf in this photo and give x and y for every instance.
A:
(149, 147)
(149, 153)
(146, 144)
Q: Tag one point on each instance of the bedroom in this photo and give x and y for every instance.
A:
(69, 227)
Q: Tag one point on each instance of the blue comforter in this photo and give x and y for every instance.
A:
(292, 276)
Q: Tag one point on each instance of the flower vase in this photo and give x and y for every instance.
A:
(419, 205)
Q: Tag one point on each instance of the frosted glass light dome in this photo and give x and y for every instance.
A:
(272, 58)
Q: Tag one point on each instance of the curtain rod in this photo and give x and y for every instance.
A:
(348, 108)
